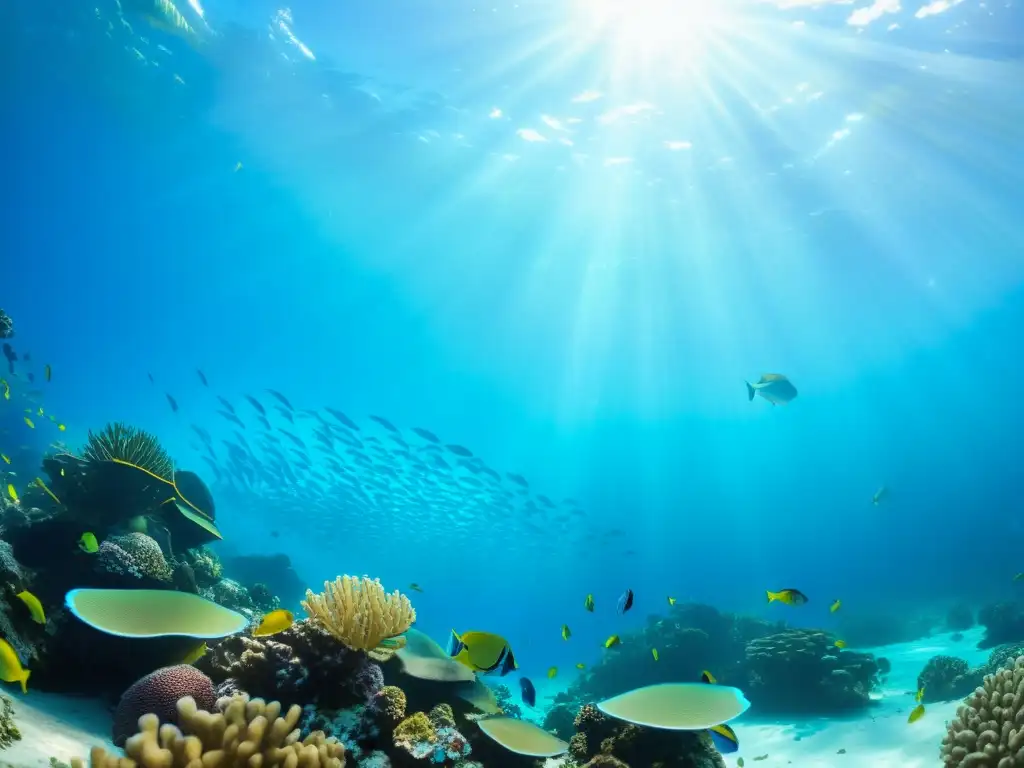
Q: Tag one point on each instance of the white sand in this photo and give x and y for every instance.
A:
(58, 726)
(881, 738)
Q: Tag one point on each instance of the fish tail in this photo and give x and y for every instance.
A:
(24, 681)
(750, 391)
(455, 644)
(772, 596)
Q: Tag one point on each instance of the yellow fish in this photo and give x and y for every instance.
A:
(195, 654)
(61, 427)
(482, 652)
(48, 371)
(41, 484)
(7, 389)
(88, 543)
(739, 762)
(919, 695)
(566, 632)
(29, 422)
(840, 644)
(5, 458)
(612, 641)
(12, 493)
(916, 714)
(707, 677)
(836, 606)
(40, 411)
(581, 665)
(10, 667)
(787, 597)
(274, 622)
(589, 603)
(654, 653)
(671, 601)
(35, 608)
(552, 672)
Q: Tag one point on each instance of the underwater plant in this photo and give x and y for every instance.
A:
(122, 443)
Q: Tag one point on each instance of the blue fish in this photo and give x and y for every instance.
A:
(626, 601)
(724, 739)
(529, 692)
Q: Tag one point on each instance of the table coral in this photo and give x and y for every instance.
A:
(800, 670)
(988, 731)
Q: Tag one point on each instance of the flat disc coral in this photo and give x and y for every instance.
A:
(522, 737)
(153, 613)
(677, 706)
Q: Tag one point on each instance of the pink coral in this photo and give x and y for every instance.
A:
(158, 693)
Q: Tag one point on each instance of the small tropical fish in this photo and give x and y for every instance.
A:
(29, 422)
(195, 654)
(40, 411)
(61, 427)
(919, 696)
(916, 714)
(281, 399)
(257, 405)
(625, 601)
(274, 622)
(707, 677)
(581, 665)
(173, 403)
(880, 495)
(6, 388)
(788, 597)
(238, 167)
(739, 762)
(654, 653)
(151, 381)
(48, 372)
(566, 632)
(12, 492)
(202, 377)
(612, 641)
(528, 691)
(773, 387)
(724, 739)
(35, 608)
(835, 606)
(6, 459)
(10, 666)
(589, 603)
(840, 644)
(671, 601)
(39, 481)
(427, 435)
(88, 543)
(482, 652)
(415, 587)
(552, 671)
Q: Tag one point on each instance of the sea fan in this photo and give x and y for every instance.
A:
(122, 443)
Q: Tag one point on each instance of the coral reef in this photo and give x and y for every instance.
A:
(158, 693)
(302, 665)
(506, 702)
(800, 670)
(432, 736)
(1003, 623)
(604, 741)
(6, 326)
(273, 571)
(959, 617)
(134, 554)
(9, 732)
(241, 731)
(987, 732)
(359, 613)
(945, 678)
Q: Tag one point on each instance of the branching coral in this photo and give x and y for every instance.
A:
(243, 732)
(988, 731)
(359, 613)
(120, 442)
(9, 732)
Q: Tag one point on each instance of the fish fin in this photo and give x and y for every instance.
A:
(750, 391)
(455, 645)
(772, 596)
(724, 739)
(24, 681)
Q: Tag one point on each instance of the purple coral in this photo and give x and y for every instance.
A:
(158, 693)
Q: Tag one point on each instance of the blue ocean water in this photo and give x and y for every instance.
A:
(562, 240)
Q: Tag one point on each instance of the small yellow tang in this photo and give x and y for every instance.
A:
(274, 622)
(35, 608)
(195, 654)
(916, 714)
(919, 695)
(581, 665)
(552, 672)
(6, 388)
(566, 632)
(612, 641)
(671, 601)
(835, 606)
(840, 644)
(588, 604)
(10, 666)
(6, 459)
(654, 653)
(12, 492)
(88, 543)
(29, 422)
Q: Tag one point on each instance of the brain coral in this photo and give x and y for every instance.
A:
(988, 731)
(158, 693)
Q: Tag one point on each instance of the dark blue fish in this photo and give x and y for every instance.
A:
(202, 377)
(345, 420)
(529, 692)
(519, 479)
(172, 401)
(626, 601)
(232, 418)
(384, 423)
(458, 450)
(282, 398)
(426, 434)
(150, 378)
(227, 406)
(256, 404)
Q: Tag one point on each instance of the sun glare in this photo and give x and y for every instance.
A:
(680, 27)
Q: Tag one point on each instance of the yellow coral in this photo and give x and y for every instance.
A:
(244, 732)
(359, 613)
(415, 728)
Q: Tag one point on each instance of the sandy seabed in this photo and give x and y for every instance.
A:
(64, 727)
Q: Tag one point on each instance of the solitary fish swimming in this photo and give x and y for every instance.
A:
(773, 387)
